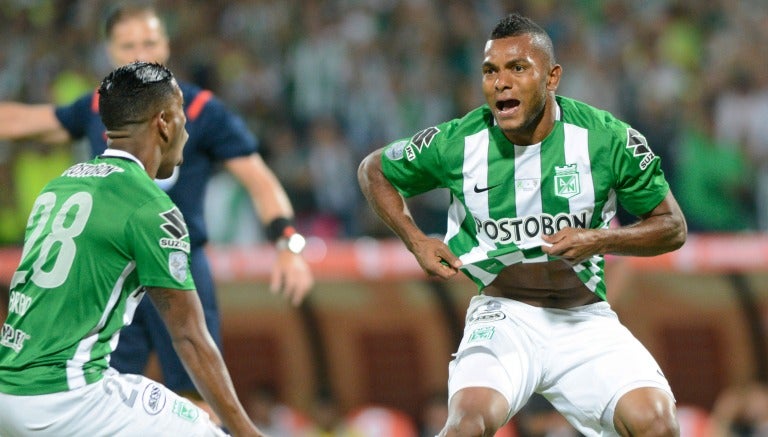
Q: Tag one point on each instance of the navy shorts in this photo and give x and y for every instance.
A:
(147, 332)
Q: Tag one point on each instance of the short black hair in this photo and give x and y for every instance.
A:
(515, 25)
(133, 93)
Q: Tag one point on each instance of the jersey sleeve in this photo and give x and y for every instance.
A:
(74, 117)
(640, 184)
(412, 165)
(226, 134)
(161, 245)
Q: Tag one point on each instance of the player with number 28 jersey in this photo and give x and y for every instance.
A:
(107, 224)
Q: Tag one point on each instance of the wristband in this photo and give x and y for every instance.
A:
(281, 227)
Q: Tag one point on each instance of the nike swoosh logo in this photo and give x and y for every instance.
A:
(484, 189)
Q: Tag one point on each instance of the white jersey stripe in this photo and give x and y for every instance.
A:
(456, 215)
(475, 171)
(75, 374)
(528, 202)
(577, 152)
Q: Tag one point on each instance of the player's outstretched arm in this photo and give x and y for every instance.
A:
(19, 121)
(431, 253)
(183, 315)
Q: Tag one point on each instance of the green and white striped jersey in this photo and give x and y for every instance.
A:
(95, 236)
(504, 196)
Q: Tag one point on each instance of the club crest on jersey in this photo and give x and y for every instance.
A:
(177, 265)
(422, 139)
(567, 181)
(175, 227)
(638, 145)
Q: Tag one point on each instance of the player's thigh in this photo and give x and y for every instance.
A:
(495, 353)
(596, 362)
(646, 408)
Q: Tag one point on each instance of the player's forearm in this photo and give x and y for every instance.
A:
(648, 238)
(208, 371)
(387, 202)
(182, 314)
(661, 231)
(266, 192)
(20, 121)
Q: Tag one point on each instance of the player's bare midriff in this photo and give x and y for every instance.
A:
(551, 284)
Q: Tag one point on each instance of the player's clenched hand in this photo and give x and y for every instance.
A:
(291, 276)
(573, 245)
(435, 257)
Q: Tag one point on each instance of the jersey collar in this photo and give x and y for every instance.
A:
(114, 153)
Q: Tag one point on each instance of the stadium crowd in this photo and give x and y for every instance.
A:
(323, 82)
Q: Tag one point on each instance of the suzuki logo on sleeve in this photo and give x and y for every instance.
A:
(638, 145)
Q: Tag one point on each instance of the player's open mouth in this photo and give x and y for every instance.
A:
(505, 106)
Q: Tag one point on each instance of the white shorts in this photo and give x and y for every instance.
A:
(117, 405)
(581, 359)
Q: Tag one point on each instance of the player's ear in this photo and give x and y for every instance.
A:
(162, 125)
(553, 80)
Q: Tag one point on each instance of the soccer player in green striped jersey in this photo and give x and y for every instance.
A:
(100, 237)
(535, 179)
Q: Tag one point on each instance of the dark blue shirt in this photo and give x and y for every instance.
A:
(215, 134)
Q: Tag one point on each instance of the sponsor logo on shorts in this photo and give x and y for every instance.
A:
(153, 399)
(487, 316)
(185, 410)
(484, 333)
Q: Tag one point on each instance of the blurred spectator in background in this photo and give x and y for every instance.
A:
(694, 421)
(722, 179)
(327, 418)
(380, 421)
(272, 417)
(288, 63)
(433, 414)
(741, 411)
(334, 180)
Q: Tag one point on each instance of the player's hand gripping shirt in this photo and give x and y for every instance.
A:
(96, 235)
(505, 196)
